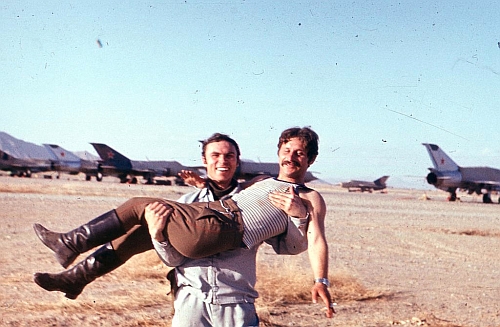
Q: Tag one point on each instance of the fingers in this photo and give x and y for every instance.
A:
(159, 209)
(321, 291)
(291, 204)
(278, 201)
(330, 310)
(156, 215)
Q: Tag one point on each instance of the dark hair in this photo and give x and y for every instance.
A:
(218, 137)
(306, 135)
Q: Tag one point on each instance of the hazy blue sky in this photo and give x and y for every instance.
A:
(375, 79)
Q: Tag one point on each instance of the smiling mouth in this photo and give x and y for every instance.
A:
(222, 169)
(291, 163)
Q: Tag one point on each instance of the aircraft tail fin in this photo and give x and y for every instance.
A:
(440, 160)
(381, 181)
(61, 154)
(109, 155)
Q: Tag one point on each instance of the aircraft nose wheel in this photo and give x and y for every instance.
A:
(487, 198)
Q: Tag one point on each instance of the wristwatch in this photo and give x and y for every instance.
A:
(324, 281)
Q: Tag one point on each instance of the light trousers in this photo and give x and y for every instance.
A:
(191, 311)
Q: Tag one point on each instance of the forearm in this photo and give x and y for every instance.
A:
(318, 257)
(168, 254)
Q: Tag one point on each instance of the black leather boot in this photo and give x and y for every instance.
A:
(67, 246)
(72, 281)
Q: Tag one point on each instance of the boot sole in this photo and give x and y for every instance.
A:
(39, 282)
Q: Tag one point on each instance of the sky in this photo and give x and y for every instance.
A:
(374, 79)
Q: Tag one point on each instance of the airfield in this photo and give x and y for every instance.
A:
(407, 257)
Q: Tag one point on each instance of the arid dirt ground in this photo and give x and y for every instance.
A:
(395, 259)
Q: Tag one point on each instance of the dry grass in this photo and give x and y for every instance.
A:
(396, 261)
(281, 285)
(473, 232)
(283, 289)
(279, 288)
(77, 187)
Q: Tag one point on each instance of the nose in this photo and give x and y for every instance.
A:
(291, 156)
(223, 159)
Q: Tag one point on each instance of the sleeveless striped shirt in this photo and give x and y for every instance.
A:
(261, 219)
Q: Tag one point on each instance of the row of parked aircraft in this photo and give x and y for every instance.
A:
(446, 175)
(23, 158)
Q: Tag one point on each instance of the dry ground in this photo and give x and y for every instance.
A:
(395, 260)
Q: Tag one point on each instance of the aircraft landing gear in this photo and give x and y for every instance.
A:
(487, 198)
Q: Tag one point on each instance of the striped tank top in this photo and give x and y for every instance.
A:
(261, 219)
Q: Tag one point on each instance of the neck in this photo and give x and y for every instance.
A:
(221, 185)
(219, 192)
(291, 179)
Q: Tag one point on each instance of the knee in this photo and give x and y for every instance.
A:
(132, 210)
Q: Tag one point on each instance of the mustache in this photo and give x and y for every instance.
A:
(295, 163)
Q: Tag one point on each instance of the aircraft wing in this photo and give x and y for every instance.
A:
(477, 185)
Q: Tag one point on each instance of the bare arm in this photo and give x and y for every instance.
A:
(295, 205)
(192, 178)
(318, 249)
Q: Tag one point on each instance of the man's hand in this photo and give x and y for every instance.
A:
(321, 290)
(289, 202)
(193, 179)
(156, 215)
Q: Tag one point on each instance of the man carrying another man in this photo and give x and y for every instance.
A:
(221, 287)
(220, 290)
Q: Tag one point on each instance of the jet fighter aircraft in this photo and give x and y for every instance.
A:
(448, 176)
(376, 185)
(114, 163)
(22, 158)
(68, 162)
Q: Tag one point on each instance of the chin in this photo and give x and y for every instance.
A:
(223, 177)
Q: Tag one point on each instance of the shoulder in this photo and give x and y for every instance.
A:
(254, 180)
(195, 196)
(314, 199)
(309, 194)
